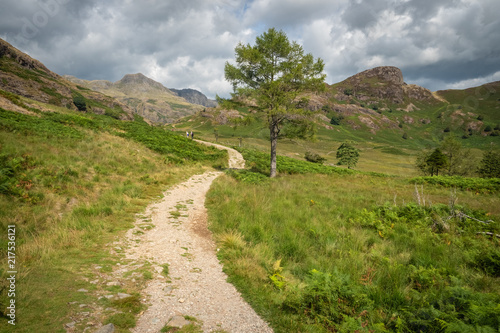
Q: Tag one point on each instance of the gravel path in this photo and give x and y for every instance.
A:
(196, 285)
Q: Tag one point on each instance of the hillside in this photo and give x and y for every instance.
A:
(389, 120)
(148, 98)
(24, 76)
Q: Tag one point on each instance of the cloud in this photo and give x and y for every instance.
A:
(439, 43)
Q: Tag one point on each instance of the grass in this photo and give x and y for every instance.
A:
(354, 252)
(72, 184)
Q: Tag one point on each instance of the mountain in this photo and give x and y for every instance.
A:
(24, 76)
(195, 97)
(148, 98)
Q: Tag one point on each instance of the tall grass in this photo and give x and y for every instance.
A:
(72, 183)
(319, 253)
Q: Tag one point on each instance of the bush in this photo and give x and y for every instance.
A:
(314, 157)
(80, 102)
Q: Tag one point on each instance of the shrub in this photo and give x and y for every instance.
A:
(80, 102)
(348, 91)
(347, 155)
(336, 119)
(314, 157)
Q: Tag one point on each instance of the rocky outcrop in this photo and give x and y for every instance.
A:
(195, 97)
(382, 85)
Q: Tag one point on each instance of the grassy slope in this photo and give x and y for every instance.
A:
(74, 184)
(314, 253)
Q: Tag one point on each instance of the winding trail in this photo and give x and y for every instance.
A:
(196, 285)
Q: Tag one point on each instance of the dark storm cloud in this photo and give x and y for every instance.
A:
(27, 22)
(438, 43)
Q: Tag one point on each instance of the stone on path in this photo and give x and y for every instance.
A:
(109, 328)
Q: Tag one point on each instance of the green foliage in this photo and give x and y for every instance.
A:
(314, 157)
(177, 149)
(347, 155)
(247, 176)
(336, 119)
(329, 299)
(348, 91)
(42, 127)
(14, 178)
(80, 102)
(349, 265)
(489, 167)
(432, 163)
(122, 320)
(463, 183)
(274, 73)
(259, 162)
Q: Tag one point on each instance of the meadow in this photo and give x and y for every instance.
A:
(72, 184)
(360, 252)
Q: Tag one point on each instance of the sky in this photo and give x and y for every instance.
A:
(438, 44)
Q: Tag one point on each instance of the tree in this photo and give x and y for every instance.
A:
(80, 102)
(489, 167)
(459, 161)
(270, 76)
(347, 155)
(436, 161)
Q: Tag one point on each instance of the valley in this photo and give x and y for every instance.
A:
(381, 247)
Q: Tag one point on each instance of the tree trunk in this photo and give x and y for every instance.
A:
(274, 131)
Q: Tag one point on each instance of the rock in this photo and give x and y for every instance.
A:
(82, 290)
(178, 322)
(70, 325)
(113, 283)
(109, 328)
(122, 295)
(195, 97)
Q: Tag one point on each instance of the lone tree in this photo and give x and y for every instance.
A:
(347, 155)
(436, 161)
(270, 76)
(489, 167)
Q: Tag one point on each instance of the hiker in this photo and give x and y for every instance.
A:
(187, 134)
(192, 135)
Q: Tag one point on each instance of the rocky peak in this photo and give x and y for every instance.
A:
(384, 83)
(195, 97)
(139, 81)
